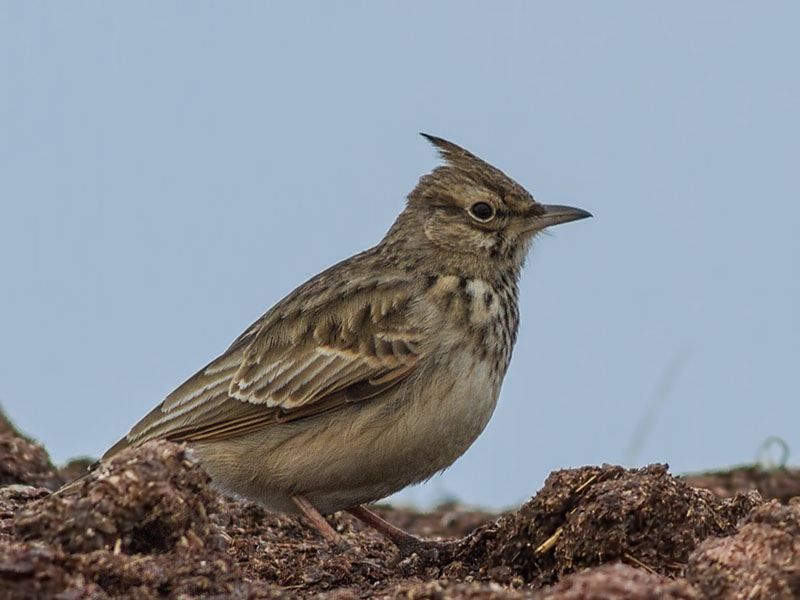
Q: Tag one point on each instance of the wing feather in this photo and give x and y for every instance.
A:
(329, 353)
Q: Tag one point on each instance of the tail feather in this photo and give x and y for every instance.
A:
(71, 486)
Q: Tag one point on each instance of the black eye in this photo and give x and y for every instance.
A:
(481, 211)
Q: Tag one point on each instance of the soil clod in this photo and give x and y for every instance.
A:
(147, 524)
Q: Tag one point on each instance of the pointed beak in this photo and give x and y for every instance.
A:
(555, 215)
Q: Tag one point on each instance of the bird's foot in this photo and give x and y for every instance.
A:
(428, 551)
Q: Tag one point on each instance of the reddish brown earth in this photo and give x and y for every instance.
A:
(147, 525)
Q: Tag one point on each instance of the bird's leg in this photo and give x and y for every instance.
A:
(406, 543)
(394, 534)
(319, 523)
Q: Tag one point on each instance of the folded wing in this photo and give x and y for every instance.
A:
(290, 366)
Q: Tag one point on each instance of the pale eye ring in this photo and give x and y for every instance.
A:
(482, 211)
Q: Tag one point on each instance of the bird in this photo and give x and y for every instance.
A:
(378, 372)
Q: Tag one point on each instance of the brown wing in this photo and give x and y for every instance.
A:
(291, 365)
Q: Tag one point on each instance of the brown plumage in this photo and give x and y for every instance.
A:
(378, 372)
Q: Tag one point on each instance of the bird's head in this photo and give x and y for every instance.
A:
(474, 212)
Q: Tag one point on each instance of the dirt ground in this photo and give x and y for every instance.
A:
(147, 525)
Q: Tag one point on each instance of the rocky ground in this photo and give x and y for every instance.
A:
(147, 525)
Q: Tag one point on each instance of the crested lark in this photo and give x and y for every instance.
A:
(380, 371)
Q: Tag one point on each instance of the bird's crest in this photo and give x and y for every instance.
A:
(451, 153)
(462, 162)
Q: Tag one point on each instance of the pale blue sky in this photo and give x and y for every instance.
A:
(169, 170)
